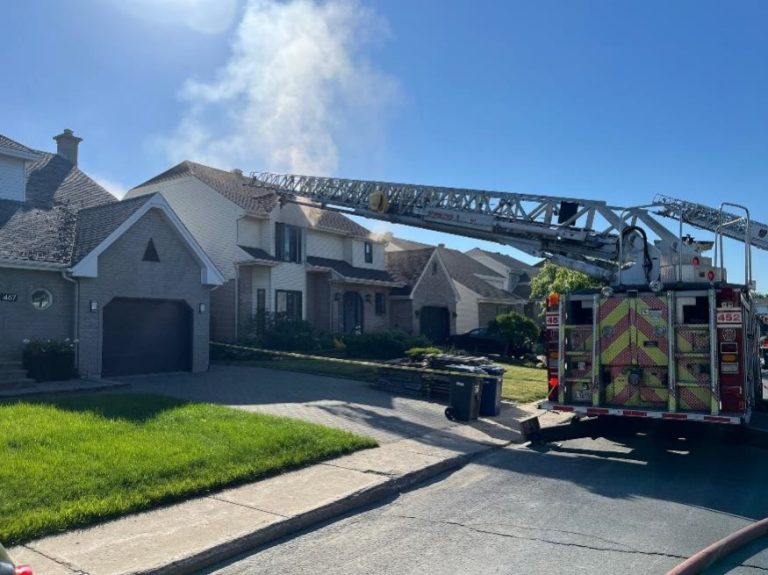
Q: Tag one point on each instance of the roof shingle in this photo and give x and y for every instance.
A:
(346, 270)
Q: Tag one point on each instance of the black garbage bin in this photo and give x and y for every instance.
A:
(490, 400)
(464, 399)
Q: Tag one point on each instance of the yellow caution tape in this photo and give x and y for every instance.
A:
(355, 362)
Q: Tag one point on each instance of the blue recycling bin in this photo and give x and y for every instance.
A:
(490, 398)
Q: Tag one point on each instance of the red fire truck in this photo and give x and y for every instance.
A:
(667, 337)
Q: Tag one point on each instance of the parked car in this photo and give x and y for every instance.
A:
(478, 340)
(8, 567)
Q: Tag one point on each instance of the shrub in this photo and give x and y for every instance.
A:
(49, 360)
(419, 353)
(519, 332)
(382, 345)
(289, 335)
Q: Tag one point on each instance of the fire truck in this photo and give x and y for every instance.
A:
(665, 337)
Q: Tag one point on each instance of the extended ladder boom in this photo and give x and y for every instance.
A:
(558, 228)
(711, 219)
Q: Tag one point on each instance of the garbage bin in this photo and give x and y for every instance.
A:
(464, 399)
(490, 400)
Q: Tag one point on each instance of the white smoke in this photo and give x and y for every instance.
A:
(297, 79)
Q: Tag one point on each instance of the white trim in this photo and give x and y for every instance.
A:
(89, 265)
(19, 154)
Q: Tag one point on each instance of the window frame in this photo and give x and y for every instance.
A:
(368, 252)
(293, 299)
(288, 240)
(380, 303)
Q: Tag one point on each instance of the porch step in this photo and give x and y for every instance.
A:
(15, 384)
(9, 364)
(12, 374)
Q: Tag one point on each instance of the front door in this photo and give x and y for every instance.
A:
(352, 312)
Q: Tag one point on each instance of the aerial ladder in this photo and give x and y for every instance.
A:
(665, 337)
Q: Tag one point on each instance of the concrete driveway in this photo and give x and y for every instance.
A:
(335, 402)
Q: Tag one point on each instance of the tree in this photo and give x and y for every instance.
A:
(554, 278)
(518, 332)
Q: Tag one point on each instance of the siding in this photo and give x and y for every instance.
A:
(467, 316)
(122, 273)
(357, 253)
(325, 245)
(19, 320)
(250, 233)
(13, 181)
(211, 218)
(293, 277)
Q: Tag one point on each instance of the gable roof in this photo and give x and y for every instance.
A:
(506, 260)
(238, 189)
(42, 228)
(349, 272)
(117, 219)
(234, 186)
(95, 224)
(407, 267)
(396, 244)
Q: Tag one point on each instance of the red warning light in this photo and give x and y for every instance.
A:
(696, 261)
(710, 275)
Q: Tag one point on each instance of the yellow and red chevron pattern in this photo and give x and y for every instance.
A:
(693, 398)
(692, 340)
(634, 331)
(693, 370)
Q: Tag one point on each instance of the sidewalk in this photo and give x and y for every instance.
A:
(188, 536)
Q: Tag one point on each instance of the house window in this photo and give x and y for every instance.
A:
(287, 243)
(288, 304)
(41, 299)
(381, 304)
(261, 310)
(368, 253)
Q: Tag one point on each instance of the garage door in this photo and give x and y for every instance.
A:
(146, 336)
(435, 323)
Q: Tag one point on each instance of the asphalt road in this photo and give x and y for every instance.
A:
(628, 504)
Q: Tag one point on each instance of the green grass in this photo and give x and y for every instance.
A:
(73, 461)
(524, 384)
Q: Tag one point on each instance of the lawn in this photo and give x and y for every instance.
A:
(524, 384)
(72, 461)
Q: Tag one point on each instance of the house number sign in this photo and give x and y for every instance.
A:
(9, 297)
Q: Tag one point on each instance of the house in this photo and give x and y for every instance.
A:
(444, 291)
(279, 257)
(124, 280)
(517, 276)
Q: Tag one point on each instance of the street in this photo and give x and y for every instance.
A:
(629, 504)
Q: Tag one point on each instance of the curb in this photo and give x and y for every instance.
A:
(703, 559)
(228, 549)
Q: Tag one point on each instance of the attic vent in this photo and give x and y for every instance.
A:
(150, 254)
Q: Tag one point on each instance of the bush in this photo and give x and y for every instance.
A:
(382, 345)
(289, 335)
(49, 360)
(419, 353)
(519, 332)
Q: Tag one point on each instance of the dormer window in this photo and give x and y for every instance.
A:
(368, 250)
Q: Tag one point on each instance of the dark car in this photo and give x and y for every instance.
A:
(8, 567)
(479, 340)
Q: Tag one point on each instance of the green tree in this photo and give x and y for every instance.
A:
(519, 332)
(554, 278)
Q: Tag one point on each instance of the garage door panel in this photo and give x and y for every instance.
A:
(146, 336)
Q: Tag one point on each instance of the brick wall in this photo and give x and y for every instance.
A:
(122, 273)
(434, 289)
(19, 320)
(401, 315)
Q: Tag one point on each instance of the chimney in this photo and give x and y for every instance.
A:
(66, 145)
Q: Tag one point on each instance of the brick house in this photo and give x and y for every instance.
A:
(125, 280)
(444, 291)
(288, 258)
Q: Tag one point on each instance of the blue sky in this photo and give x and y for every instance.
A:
(605, 100)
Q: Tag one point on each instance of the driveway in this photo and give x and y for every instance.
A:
(342, 403)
